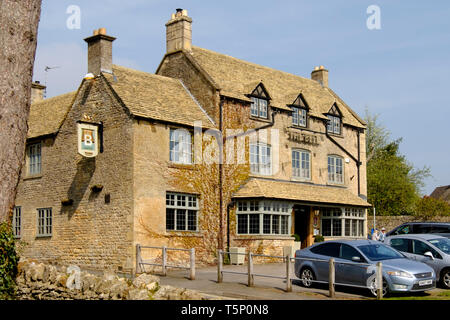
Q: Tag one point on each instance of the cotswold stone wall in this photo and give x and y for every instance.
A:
(90, 231)
(38, 281)
(390, 222)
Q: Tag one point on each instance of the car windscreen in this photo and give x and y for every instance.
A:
(443, 244)
(377, 252)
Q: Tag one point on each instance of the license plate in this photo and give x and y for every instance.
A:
(425, 282)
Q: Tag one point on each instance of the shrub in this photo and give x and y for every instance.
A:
(8, 262)
(318, 238)
(428, 208)
(297, 237)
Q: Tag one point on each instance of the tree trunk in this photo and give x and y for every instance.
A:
(19, 21)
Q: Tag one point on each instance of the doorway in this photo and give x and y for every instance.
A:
(302, 221)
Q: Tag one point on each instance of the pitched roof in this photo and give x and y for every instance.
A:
(157, 97)
(144, 94)
(47, 115)
(295, 191)
(442, 193)
(236, 78)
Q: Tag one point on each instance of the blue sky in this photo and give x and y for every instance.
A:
(401, 71)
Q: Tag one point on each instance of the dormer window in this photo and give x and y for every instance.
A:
(299, 112)
(334, 124)
(260, 99)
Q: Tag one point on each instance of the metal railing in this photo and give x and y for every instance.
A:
(287, 276)
(140, 263)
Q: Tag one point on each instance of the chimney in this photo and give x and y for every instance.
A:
(320, 74)
(99, 52)
(37, 92)
(179, 32)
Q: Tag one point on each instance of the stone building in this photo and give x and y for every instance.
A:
(306, 173)
(441, 193)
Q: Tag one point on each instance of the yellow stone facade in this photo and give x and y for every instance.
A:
(103, 207)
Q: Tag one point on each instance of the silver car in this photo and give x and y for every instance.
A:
(355, 265)
(431, 249)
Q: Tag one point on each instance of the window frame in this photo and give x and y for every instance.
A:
(334, 174)
(339, 216)
(300, 162)
(275, 211)
(17, 222)
(34, 159)
(260, 100)
(260, 167)
(334, 123)
(185, 157)
(45, 219)
(261, 106)
(301, 113)
(299, 106)
(187, 205)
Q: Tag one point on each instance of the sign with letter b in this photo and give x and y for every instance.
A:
(88, 143)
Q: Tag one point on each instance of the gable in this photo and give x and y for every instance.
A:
(260, 92)
(334, 111)
(300, 102)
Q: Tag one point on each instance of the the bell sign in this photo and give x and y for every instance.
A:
(88, 144)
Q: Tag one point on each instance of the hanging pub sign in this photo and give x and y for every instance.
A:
(88, 139)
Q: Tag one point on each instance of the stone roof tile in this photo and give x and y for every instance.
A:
(235, 77)
(295, 191)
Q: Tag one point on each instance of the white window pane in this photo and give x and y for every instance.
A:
(254, 107)
(295, 116)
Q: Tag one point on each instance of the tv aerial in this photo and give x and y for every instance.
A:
(47, 69)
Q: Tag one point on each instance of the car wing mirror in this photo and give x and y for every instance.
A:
(429, 255)
(356, 259)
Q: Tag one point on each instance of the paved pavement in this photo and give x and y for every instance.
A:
(234, 286)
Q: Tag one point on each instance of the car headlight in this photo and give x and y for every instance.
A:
(400, 274)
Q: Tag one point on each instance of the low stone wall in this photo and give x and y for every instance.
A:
(38, 281)
(390, 222)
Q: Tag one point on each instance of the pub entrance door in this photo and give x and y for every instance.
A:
(302, 222)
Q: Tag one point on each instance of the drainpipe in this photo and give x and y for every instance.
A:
(358, 164)
(230, 204)
(221, 174)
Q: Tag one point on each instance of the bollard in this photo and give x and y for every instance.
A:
(288, 274)
(192, 269)
(331, 278)
(219, 266)
(138, 257)
(379, 281)
(164, 260)
(250, 270)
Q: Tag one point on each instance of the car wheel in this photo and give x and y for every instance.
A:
(307, 277)
(373, 288)
(445, 278)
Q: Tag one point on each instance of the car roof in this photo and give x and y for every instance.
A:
(353, 242)
(424, 236)
(427, 222)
